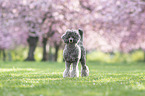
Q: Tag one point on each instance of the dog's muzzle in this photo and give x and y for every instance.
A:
(70, 40)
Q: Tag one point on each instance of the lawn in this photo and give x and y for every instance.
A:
(45, 79)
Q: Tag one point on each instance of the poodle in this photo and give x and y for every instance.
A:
(74, 52)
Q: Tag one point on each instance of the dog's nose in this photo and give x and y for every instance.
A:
(70, 40)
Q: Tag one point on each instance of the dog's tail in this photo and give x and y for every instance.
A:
(81, 34)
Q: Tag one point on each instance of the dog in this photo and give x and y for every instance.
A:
(74, 52)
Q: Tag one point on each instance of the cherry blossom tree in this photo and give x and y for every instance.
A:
(119, 23)
(10, 35)
(37, 17)
(108, 25)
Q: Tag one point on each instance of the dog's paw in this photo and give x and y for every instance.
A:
(85, 71)
(66, 73)
(74, 73)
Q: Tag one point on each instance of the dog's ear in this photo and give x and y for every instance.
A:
(63, 36)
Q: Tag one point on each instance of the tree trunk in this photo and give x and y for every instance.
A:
(56, 52)
(50, 57)
(44, 49)
(32, 41)
(9, 56)
(4, 55)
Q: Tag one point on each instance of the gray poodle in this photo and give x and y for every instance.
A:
(74, 52)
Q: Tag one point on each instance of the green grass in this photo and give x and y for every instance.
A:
(45, 79)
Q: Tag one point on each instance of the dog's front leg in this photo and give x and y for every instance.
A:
(75, 70)
(66, 72)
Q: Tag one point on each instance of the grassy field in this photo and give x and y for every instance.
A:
(45, 79)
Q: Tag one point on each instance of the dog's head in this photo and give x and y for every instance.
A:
(71, 36)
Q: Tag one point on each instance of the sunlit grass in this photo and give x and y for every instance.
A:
(15, 69)
(46, 79)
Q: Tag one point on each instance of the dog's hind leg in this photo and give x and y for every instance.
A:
(75, 70)
(66, 72)
(84, 69)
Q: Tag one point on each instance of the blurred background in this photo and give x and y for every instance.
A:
(114, 30)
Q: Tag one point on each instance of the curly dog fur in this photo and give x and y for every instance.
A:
(74, 52)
